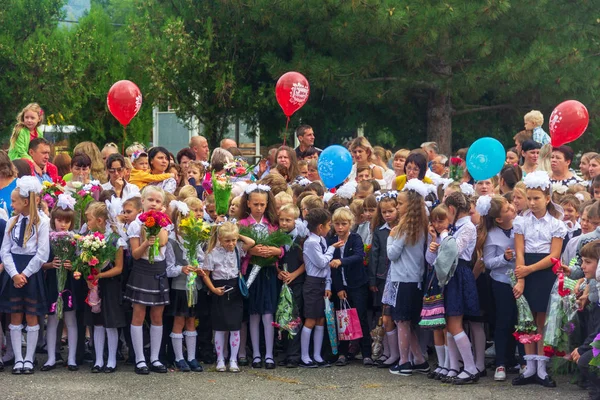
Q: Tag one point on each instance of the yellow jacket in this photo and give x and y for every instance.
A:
(141, 178)
(401, 181)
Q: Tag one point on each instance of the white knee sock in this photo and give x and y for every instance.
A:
(112, 334)
(234, 343)
(99, 340)
(464, 347)
(155, 343)
(32, 338)
(190, 344)
(453, 354)
(404, 335)
(177, 342)
(478, 340)
(16, 336)
(219, 344)
(386, 345)
(392, 339)
(137, 341)
(440, 351)
(267, 320)
(305, 344)
(318, 343)
(71, 324)
(255, 335)
(542, 361)
(51, 332)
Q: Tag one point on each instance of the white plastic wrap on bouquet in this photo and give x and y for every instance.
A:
(253, 274)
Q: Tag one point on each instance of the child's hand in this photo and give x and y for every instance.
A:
(565, 269)
(342, 295)
(56, 262)
(335, 263)
(433, 247)
(328, 294)
(432, 232)
(575, 356)
(338, 244)
(1, 267)
(509, 254)
(151, 240)
(219, 219)
(274, 251)
(282, 276)
(394, 231)
(201, 273)
(219, 291)
(373, 289)
(91, 284)
(19, 280)
(518, 289)
(290, 278)
(578, 288)
(522, 271)
(187, 269)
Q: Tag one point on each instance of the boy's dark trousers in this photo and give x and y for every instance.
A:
(584, 367)
(292, 345)
(359, 299)
(204, 328)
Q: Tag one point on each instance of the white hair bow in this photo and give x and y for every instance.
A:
(28, 184)
(66, 201)
(180, 206)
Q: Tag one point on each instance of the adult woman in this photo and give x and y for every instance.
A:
(512, 157)
(184, 156)
(381, 157)
(594, 167)
(80, 168)
(97, 167)
(62, 161)
(159, 161)
(560, 161)
(8, 182)
(531, 152)
(415, 167)
(362, 153)
(115, 165)
(286, 157)
(585, 163)
(108, 149)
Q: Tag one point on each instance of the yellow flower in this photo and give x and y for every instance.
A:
(185, 223)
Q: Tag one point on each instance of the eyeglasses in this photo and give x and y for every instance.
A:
(412, 169)
(113, 170)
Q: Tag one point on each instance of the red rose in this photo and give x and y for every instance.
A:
(548, 351)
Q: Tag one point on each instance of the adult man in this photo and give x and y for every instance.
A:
(439, 165)
(431, 148)
(228, 143)
(306, 137)
(39, 151)
(199, 146)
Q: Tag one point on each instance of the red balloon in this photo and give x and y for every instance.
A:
(124, 100)
(292, 92)
(567, 122)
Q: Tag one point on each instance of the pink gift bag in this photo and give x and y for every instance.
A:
(348, 322)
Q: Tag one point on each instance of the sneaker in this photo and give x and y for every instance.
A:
(405, 369)
(421, 368)
(500, 374)
(221, 366)
(182, 366)
(233, 366)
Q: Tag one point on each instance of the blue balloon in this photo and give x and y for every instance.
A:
(485, 158)
(335, 164)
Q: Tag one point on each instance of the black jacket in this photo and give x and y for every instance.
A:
(378, 260)
(352, 263)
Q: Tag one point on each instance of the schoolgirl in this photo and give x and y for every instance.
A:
(496, 246)
(223, 262)
(539, 234)
(384, 220)
(258, 212)
(26, 246)
(103, 218)
(178, 268)
(73, 296)
(147, 285)
(405, 249)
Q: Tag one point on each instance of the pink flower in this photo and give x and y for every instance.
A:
(81, 193)
(93, 261)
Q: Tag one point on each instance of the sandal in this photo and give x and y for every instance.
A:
(269, 363)
(27, 370)
(440, 375)
(17, 370)
(257, 364)
(142, 370)
(341, 361)
(448, 379)
(470, 378)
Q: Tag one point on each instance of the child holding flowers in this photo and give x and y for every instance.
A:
(66, 294)
(106, 277)
(223, 264)
(184, 255)
(24, 249)
(148, 285)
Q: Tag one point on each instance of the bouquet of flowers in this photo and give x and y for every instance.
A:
(83, 195)
(456, 168)
(194, 232)
(221, 186)
(525, 330)
(238, 167)
(63, 246)
(287, 316)
(95, 251)
(51, 191)
(153, 221)
(560, 315)
(367, 249)
(277, 238)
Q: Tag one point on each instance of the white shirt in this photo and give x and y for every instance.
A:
(38, 245)
(466, 236)
(135, 230)
(315, 261)
(173, 269)
(223, 263)
(389, 176)
(493, 254)
(128, 189)
(538, 233)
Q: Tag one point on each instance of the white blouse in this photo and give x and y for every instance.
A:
(466, 236)
(38, 245)
(222, 263)
(135, 230)
(538, 233)
(173, 269)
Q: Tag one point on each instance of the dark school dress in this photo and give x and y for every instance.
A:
(538, 284)
(460, 294)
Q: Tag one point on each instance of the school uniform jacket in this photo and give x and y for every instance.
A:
(352, 267)
(378, 259)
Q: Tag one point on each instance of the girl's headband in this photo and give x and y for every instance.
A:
(392, 194)
(253, 187)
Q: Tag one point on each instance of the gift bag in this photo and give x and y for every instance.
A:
(348, 322)
(331, 331)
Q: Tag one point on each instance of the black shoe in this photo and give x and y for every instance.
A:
(448, 379)
(141, 370)
(422, 368)
(243, 362)
(291, 364)
(432, 374)
(47, 367)
(310, 364)
(96, 369)
(522, 380)
(1, 366)
(18, 368)
(160, 368)
(271, 364)
(385, 364)
(405, 369)
(195, 366)
(72, 368)
(471, 378)
(27, 370)
(546, 382)
(323, 364)
(257, 364)
(109, 370)
(482, 374)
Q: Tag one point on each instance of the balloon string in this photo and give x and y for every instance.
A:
(286, 130)
(124, 138)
